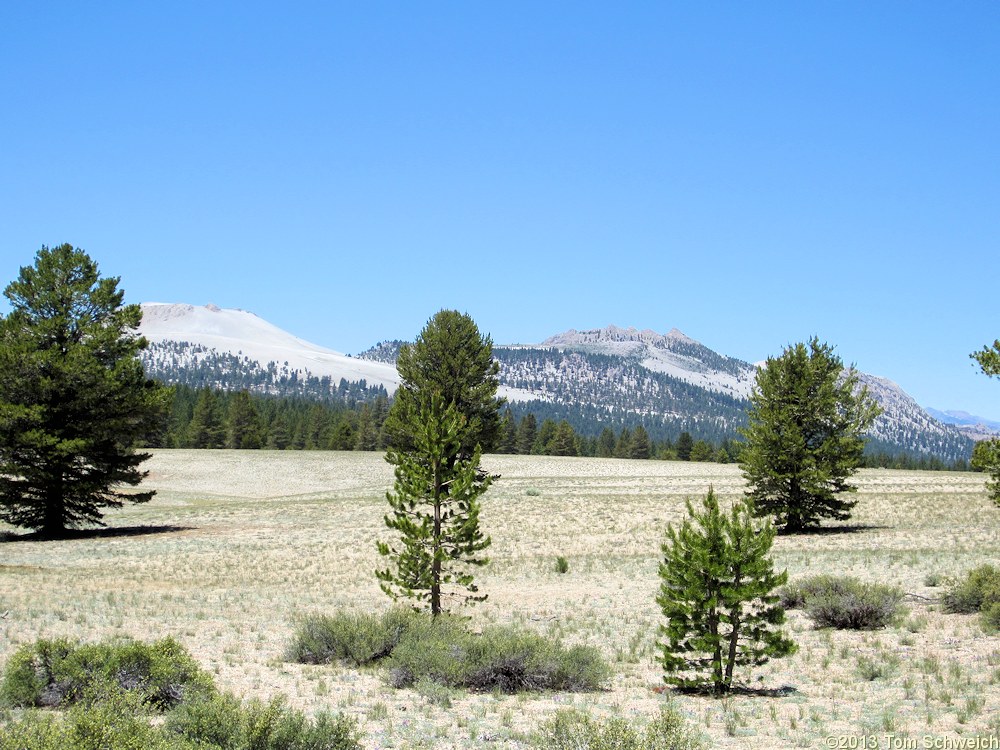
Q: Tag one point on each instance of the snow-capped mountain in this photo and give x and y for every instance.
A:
(192, 337)
(614, 376)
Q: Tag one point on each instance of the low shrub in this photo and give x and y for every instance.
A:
(562, 565)
(118, 721)
(501, 658)
(843, 602)
(979, 591)
(571, 729)
(222, 721)
(59, 672)
(417, 648)
(356, 639)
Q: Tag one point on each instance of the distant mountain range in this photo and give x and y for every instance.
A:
(610, 376)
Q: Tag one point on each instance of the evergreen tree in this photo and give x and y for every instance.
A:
(243, 422)
(717, 593)
(685, 444)
(446, 403)
(74, 399)
(986, 458)
(986, 455)
(639, 446)
(367, 434)
(278, 436)
(206, 429)
(563, 442)
(606, 443)
(527, 431)
(452, 358)
(804, 438)
(543, 440)
(624, 444)
(701, 451)
(508, 433)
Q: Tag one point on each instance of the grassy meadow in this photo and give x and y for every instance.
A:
(239, 544)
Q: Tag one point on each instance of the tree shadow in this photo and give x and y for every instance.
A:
(753, 692)
(832, 530)
(110, 532)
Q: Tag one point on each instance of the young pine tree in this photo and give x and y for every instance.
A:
(435, 509)
(717, 593)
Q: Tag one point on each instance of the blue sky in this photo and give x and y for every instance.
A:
(750, 173)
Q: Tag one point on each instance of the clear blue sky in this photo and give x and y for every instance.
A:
(750, 173)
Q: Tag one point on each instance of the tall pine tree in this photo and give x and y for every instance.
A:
(445, 414)
(805, 437)
(74, 400)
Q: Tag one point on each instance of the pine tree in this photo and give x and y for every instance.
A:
(717, 593)
(543, 440)
(685, 444)
(986, 458)
(243, 422)
(452, 358)
(701, 451)
(563, 442)
(639, 446)
(206, 429)
(804, 438)
(74, 400)
(446, 403)
(508, 432)
(986, 454)
(606, 443)
(624, 443)
(527, 431)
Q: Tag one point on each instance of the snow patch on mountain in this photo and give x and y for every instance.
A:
(671, 353)
(243, 334)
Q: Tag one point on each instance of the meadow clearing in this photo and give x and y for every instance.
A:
(242, 542)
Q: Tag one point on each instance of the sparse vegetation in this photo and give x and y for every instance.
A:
(416, 649)
(571, 729)
(979, 591)
(56, 673)
(844, 602)
(235, 540)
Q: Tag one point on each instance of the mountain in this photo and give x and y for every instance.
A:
(977, 428)
(603, 377)
(671, 382)
(209, 346)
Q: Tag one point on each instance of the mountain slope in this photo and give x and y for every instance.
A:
(609, 376)
(220, 344)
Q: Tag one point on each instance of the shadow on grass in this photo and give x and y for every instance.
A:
(105, 533)
(778, 692)
(832, 530)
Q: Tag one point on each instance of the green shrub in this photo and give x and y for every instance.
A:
(117, 721)
(356, 639)
(418, 648)
(571, 729)
(978, 592)
(843, 602)
(223, 721)
(562, 565)
(59, 672)
(502, 658)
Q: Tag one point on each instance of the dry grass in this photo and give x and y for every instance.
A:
(265, 536)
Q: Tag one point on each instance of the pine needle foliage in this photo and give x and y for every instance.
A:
(717, 592)
(986, 455)
(74, 400)
(435, 509)
(805, 437)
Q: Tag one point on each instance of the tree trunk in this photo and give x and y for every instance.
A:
(436, 546)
